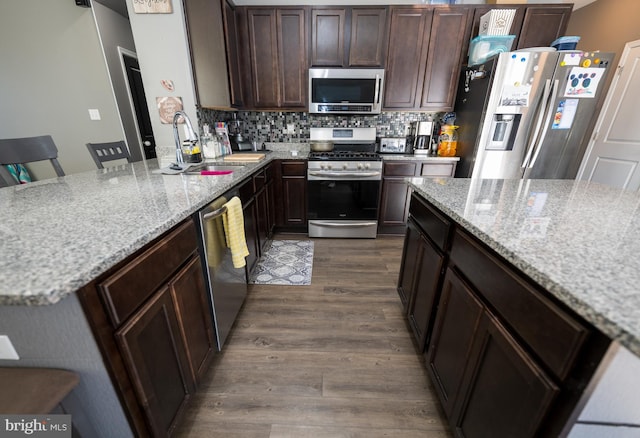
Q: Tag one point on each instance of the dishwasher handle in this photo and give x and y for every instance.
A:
(215, 213)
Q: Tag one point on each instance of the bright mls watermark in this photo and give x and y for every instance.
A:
(37, 426)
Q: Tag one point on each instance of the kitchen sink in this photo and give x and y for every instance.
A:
(212, 168)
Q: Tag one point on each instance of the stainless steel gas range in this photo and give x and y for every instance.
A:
(344, 184)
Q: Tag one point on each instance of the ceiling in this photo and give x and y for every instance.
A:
(120, 6)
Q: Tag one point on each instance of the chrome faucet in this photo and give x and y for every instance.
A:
(176, 134)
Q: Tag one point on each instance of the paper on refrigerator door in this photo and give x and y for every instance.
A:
(583, 82)
(518, 77)
(565, 113)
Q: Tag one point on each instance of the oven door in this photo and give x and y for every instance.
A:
(343, 207)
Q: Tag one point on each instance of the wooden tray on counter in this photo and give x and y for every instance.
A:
(244, 157)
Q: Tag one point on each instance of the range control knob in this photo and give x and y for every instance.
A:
(329, 166)
(344, 166)
(359, 166)
(367, 166)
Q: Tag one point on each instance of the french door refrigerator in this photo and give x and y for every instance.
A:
(526, 114)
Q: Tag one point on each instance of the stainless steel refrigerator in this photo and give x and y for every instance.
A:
(526, 114)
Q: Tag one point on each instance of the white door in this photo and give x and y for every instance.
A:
(613, 154)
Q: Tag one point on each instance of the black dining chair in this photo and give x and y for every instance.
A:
(103, 152)
(27, 150)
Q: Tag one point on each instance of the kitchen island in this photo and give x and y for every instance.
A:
(538, 278)
(59, 235)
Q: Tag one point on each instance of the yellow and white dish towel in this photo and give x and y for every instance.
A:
(234, 230)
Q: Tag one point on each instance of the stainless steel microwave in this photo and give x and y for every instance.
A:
(345, 90)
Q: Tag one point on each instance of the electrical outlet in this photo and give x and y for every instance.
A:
(6, 349)
(291, 128)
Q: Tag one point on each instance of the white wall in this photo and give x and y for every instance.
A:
(52, 72)
(115, 31)
(58, 336)
(163, 54)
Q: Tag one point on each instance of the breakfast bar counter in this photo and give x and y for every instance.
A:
(59, 234)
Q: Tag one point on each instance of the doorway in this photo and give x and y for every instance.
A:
(613, 154)
(135, 86)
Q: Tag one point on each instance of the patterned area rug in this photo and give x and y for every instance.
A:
(285, 262)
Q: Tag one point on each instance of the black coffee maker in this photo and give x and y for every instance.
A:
(421, 135)
(236, 137)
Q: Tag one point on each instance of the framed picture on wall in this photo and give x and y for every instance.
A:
(152, 6)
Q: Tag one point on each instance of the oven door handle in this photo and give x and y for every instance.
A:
(346, 225)
(344, 174)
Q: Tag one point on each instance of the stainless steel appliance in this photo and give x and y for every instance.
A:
(343, 185)
(390, 145)
(421, 134)
(526, 114)
(227, 285)
(345, 90)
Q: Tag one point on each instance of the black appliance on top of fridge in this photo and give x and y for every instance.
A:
(526, 114)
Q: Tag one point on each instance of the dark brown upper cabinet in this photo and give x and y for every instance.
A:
(233, 53)
(348, 37)
(533, 26)
(425, 56)
(208, 49)
(543, 24)
(277, 53)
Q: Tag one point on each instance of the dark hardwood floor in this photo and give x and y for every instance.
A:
(333, 359)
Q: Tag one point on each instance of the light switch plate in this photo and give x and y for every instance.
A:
(6, 349)
(94, 114)
(291, 128)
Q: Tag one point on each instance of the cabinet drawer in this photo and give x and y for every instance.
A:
(294, 168)
(438, 169)
(124, 291)
(435, 225)
(553, 335)
(399, 169)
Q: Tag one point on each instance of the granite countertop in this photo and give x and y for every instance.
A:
(578, 240)
(57, 235)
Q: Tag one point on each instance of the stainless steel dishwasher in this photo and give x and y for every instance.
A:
(227, 285)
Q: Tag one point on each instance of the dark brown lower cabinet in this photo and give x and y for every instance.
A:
(409, 263)
(396, 194)
(419, 281)
(154, 353)
(194, 317)
(507, 393)
(458, 317)
(152, 320)
(430, 262)
(488, 384)
(292, 196)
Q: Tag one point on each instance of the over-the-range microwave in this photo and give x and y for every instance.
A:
(345, 90)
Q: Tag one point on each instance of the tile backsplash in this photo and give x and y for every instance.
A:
(272, 126)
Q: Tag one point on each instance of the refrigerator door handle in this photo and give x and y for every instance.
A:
(550, 111)
(534, 137)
